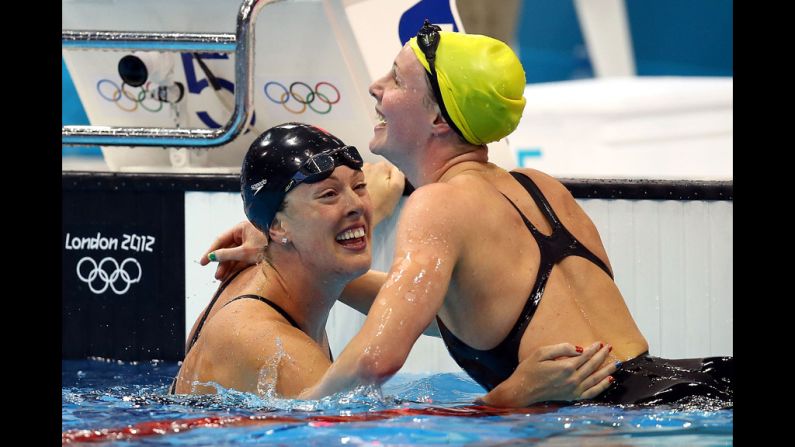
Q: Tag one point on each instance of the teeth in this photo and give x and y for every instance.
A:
(381, 119)
(350, 234)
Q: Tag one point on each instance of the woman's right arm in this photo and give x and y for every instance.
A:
(236, 248)
(361, 292)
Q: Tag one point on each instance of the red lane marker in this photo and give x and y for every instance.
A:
(167, 426)
(152, 428)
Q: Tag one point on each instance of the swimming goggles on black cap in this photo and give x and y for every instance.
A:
(320, 166)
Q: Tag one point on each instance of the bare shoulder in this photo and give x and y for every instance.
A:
(247, 342)
(247, 329)
(436, 217)
(550, 186)
(437, 207)
(437, 194)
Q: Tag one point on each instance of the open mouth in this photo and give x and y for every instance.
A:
(354, 238)
(381, 120)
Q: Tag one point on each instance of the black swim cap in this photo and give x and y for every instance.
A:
(276, 156)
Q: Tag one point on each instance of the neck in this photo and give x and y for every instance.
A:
(441, 158)
(306, 297)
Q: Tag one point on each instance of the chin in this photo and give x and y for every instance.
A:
(360, 272)
(353, 269)
(363, 265)
(377, 143)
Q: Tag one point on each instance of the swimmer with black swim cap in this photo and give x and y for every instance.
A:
(305, 189)
(284, 157)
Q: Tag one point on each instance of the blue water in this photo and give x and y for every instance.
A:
(99, 395)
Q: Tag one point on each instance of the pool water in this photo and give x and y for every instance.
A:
(126, 404)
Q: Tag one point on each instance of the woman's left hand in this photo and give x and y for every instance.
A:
(561, 372)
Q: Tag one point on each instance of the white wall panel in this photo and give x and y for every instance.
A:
(673, 304)
(646, 237)
(207, 214)
(697, 276)
(620, 230)
(721, 230)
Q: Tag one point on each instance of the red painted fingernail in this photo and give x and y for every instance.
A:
(609, 348)
(578, 349)
(611, 379)
(600, 345)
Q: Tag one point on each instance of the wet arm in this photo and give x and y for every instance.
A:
(361, 293)
(426, 253)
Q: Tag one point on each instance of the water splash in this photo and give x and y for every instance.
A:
(96, 401)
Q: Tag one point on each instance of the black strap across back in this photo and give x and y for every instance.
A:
(491, 367)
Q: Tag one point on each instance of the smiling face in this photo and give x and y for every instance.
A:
(405, 114)
(328, 223)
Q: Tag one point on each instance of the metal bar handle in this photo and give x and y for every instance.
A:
(140, 41)
(242, 44)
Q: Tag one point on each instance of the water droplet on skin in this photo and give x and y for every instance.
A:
(383, 322)
(267, 375)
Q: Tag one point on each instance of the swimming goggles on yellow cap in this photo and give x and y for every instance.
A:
(428, 41)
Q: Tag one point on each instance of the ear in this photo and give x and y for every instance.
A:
(277, 229)
(440, 127)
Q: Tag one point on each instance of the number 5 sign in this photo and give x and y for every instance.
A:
(216, 84)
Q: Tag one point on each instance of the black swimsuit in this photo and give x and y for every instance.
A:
(249, 296)
(491, 367)
(647, 380)
(642, 380)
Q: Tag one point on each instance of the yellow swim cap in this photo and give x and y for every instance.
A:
(482, 84)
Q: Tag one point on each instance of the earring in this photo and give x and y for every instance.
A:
(284, 241)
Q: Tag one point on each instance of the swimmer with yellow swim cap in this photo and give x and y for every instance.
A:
(507, 264)
(482, 102)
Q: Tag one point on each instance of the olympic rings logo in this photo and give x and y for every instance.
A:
(110, 277)
(304, 95)
(112, 92)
